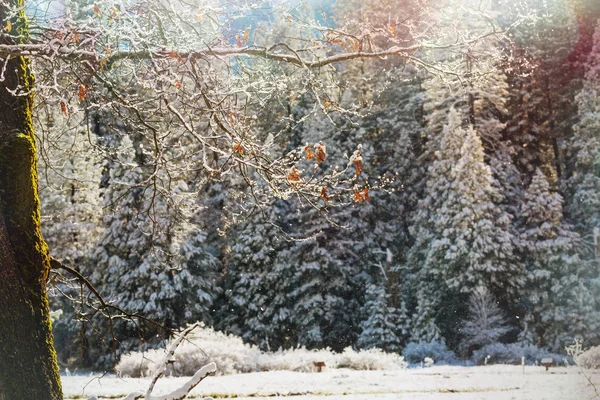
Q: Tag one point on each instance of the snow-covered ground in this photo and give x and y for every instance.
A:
(436, 383)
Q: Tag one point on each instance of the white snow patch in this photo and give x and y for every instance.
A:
(437, 383)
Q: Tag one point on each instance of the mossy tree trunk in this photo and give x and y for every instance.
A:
(28, 367)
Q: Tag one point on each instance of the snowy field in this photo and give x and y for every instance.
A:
(436, 383)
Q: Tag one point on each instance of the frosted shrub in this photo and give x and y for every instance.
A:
(303, 360)
(371, 359)
(589, 358)
(500, 353)
(203, 346)
(300, 360)
(415, 353)
(233, 356)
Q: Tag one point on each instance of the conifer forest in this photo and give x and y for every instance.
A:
(321, 174)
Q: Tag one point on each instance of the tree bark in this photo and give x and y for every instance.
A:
(28, 369)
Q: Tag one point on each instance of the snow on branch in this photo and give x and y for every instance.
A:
(67, 52)
(190, 85)
(104, 34)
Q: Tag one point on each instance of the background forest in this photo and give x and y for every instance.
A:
(475, 218)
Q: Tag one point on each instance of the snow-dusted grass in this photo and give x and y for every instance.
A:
(497, 382)
(232, 356)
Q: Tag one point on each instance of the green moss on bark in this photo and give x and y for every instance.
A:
(29, 369)
(33, 369)
(22, 217)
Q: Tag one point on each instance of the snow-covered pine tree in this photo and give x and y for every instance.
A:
(474, 106)
(478, 231)
(380, 326)
(329, 277)
(462, 239)
(255, 304)
(258, 276)
(395, 127)
(389, 94)
(428, 290)
(583, 187)
(198, 274)
(330, 268)
(146, 259)
(486, 322)
(543, 74)
(391, 134)
(424, 326)
(479, 93)
(555, 296)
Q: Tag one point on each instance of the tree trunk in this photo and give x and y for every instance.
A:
(28, 367)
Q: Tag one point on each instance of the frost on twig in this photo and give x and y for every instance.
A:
(576, 350)
(182, 391)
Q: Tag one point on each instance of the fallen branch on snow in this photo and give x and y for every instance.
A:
(184, 390)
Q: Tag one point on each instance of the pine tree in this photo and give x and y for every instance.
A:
(392, 131)
(427, 289)
(380, 329)
(330, 267)
(255, 304)
(479, 93)
(391, 134)
(329, 274)
(478, 102)
(147, 259)
(424, 325)
(554, 292)
(544, 72)
(199, 273)
(462, 239)
(583, 186)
